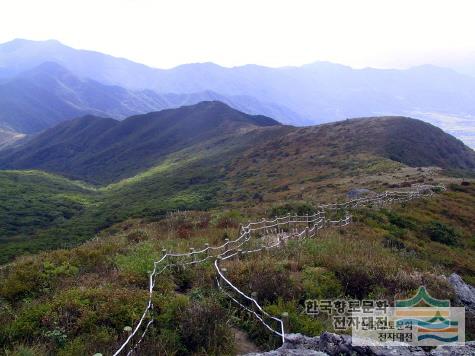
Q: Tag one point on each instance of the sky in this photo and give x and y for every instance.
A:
(163, 34)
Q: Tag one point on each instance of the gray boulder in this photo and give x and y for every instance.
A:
(464, 292)
(296, 344)
(334, 344)
(358, 193)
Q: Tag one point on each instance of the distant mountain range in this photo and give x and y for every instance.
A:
(48, 94)
(314, 93)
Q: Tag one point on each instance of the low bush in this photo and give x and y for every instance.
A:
(442, 233)
(294, 208)
(265, 276)
(204, 329)
(319, 283)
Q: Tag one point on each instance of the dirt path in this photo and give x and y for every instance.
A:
(243, 344)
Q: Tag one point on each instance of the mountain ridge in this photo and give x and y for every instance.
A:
(107, 145)
(102, 150)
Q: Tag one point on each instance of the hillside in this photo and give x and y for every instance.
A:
(31, 201)
(209, 155)
(401, 139)
(184, 177)
(8, 137)
(77, 301)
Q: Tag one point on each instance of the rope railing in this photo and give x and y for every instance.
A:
(277, 232)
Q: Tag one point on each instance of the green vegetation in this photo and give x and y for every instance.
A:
(198, 157)
(77, 298)
(78, 301)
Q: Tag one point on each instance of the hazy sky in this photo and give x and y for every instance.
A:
(380, 33)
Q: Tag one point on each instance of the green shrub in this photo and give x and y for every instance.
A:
(401, 221)
(204, 329)
(266, 276)
(393, 243)
(23, 350)
(137, 236)
(291, 208)
(299, 322)
(319, 283)
(442, 233)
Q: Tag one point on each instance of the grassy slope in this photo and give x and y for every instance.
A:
(77, 301)
(256, 167)
(33, 200)
(188, 179)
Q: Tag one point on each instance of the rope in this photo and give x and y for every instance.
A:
(318, 221)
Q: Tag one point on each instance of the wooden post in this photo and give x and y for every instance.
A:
(285, 321)
(193, 255)
(164, 251)
(254, 296)
(223, 271)
(207, 249)
(239, 254)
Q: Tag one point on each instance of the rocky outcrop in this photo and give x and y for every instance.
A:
(464, 292)
(468, 349)
(333, 344)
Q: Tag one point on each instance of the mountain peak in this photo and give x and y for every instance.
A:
(47, 67)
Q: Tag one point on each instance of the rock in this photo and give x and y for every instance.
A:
(334, 344)
(302, 341)
(468, 349)
(358, 193)
(296, 344)
(464, 292)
